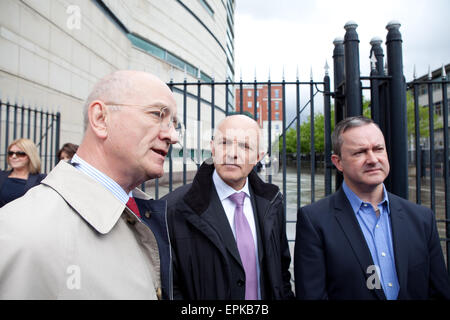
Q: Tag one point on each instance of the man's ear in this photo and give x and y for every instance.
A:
(98, 118)
(261, 155)
(336, 161)
(213, 151)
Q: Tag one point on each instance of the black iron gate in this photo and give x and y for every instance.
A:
(310, 176)
(43, 128)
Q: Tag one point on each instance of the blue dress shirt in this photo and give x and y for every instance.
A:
(377, 232)
(102, 178)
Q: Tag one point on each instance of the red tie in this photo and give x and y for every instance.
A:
(133, 206)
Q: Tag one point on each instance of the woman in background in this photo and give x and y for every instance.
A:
(23, 172)
(67, 151)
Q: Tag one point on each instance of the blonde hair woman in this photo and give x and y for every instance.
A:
(24, 167)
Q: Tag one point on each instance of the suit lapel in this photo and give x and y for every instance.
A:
(400, 234)
(216, 217)
(258, 223)
(350, 226)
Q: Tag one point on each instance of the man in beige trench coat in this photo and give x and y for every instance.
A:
(86, 232)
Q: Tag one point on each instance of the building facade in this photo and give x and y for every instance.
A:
(52, 52)
(438, 104)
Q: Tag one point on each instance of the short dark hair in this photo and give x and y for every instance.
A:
(68, 148)
(344, 125)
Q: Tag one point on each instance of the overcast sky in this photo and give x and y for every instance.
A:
(276, 33)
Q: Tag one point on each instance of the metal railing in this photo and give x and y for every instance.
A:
(42, 127)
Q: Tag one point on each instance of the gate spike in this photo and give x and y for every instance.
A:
(255, 73)
(326, 68)
(311, 74)
(297, 73)
(414, 72)
(444, 75)
(269, 73)
(429, 73)
(373, 60)
(185, 72)
(283, 73)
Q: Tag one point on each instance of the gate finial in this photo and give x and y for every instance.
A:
(444, 75)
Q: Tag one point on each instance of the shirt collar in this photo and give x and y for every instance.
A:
(224, 190)
(356, 202)
(102, 178)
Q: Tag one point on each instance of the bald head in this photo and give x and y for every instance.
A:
(242, 126)
(122, 87)
(236, 149)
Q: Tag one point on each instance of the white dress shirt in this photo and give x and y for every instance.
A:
(224, 191)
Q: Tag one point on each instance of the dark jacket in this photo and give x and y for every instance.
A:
(33, 180)
(206, 260)
(332, 258)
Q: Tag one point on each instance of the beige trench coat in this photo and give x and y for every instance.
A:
(70, 238)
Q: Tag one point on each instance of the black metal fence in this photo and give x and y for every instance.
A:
(429, 147)
(310, 176)
(42, 127)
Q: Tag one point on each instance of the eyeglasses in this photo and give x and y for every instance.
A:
(162, 115)
(19, 154)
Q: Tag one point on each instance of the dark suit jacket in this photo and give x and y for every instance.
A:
(331, 257)
(207, 263)
(33, 180)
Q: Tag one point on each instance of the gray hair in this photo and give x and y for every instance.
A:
(344, 125)
(110, 89)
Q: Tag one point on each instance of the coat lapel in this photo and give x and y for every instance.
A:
(400, 242)
(259, 225)
(216, 217)
(350, 226)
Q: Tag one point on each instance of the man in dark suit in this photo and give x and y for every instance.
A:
(363, 242)
(227, 228)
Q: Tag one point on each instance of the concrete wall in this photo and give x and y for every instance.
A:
(50, 57)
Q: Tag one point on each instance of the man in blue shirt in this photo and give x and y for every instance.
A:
(363, 242)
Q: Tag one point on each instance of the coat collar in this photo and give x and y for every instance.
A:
(99, 207)
(199, 195)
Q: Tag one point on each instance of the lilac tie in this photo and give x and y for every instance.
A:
(246, 246)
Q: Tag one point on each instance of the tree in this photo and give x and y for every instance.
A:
(305, 135)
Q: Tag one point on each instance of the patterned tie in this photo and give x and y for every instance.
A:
(246, 246)
(131, 204)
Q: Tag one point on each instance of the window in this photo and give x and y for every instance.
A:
(159, 52)
(249, 93)
(249, 104)
(277, 105)
(257, 104)
(438, 109)
(277, 116)
(277, 93)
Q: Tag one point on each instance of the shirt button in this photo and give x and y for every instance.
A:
(390, 284)
(377, 225)
(383, 254)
